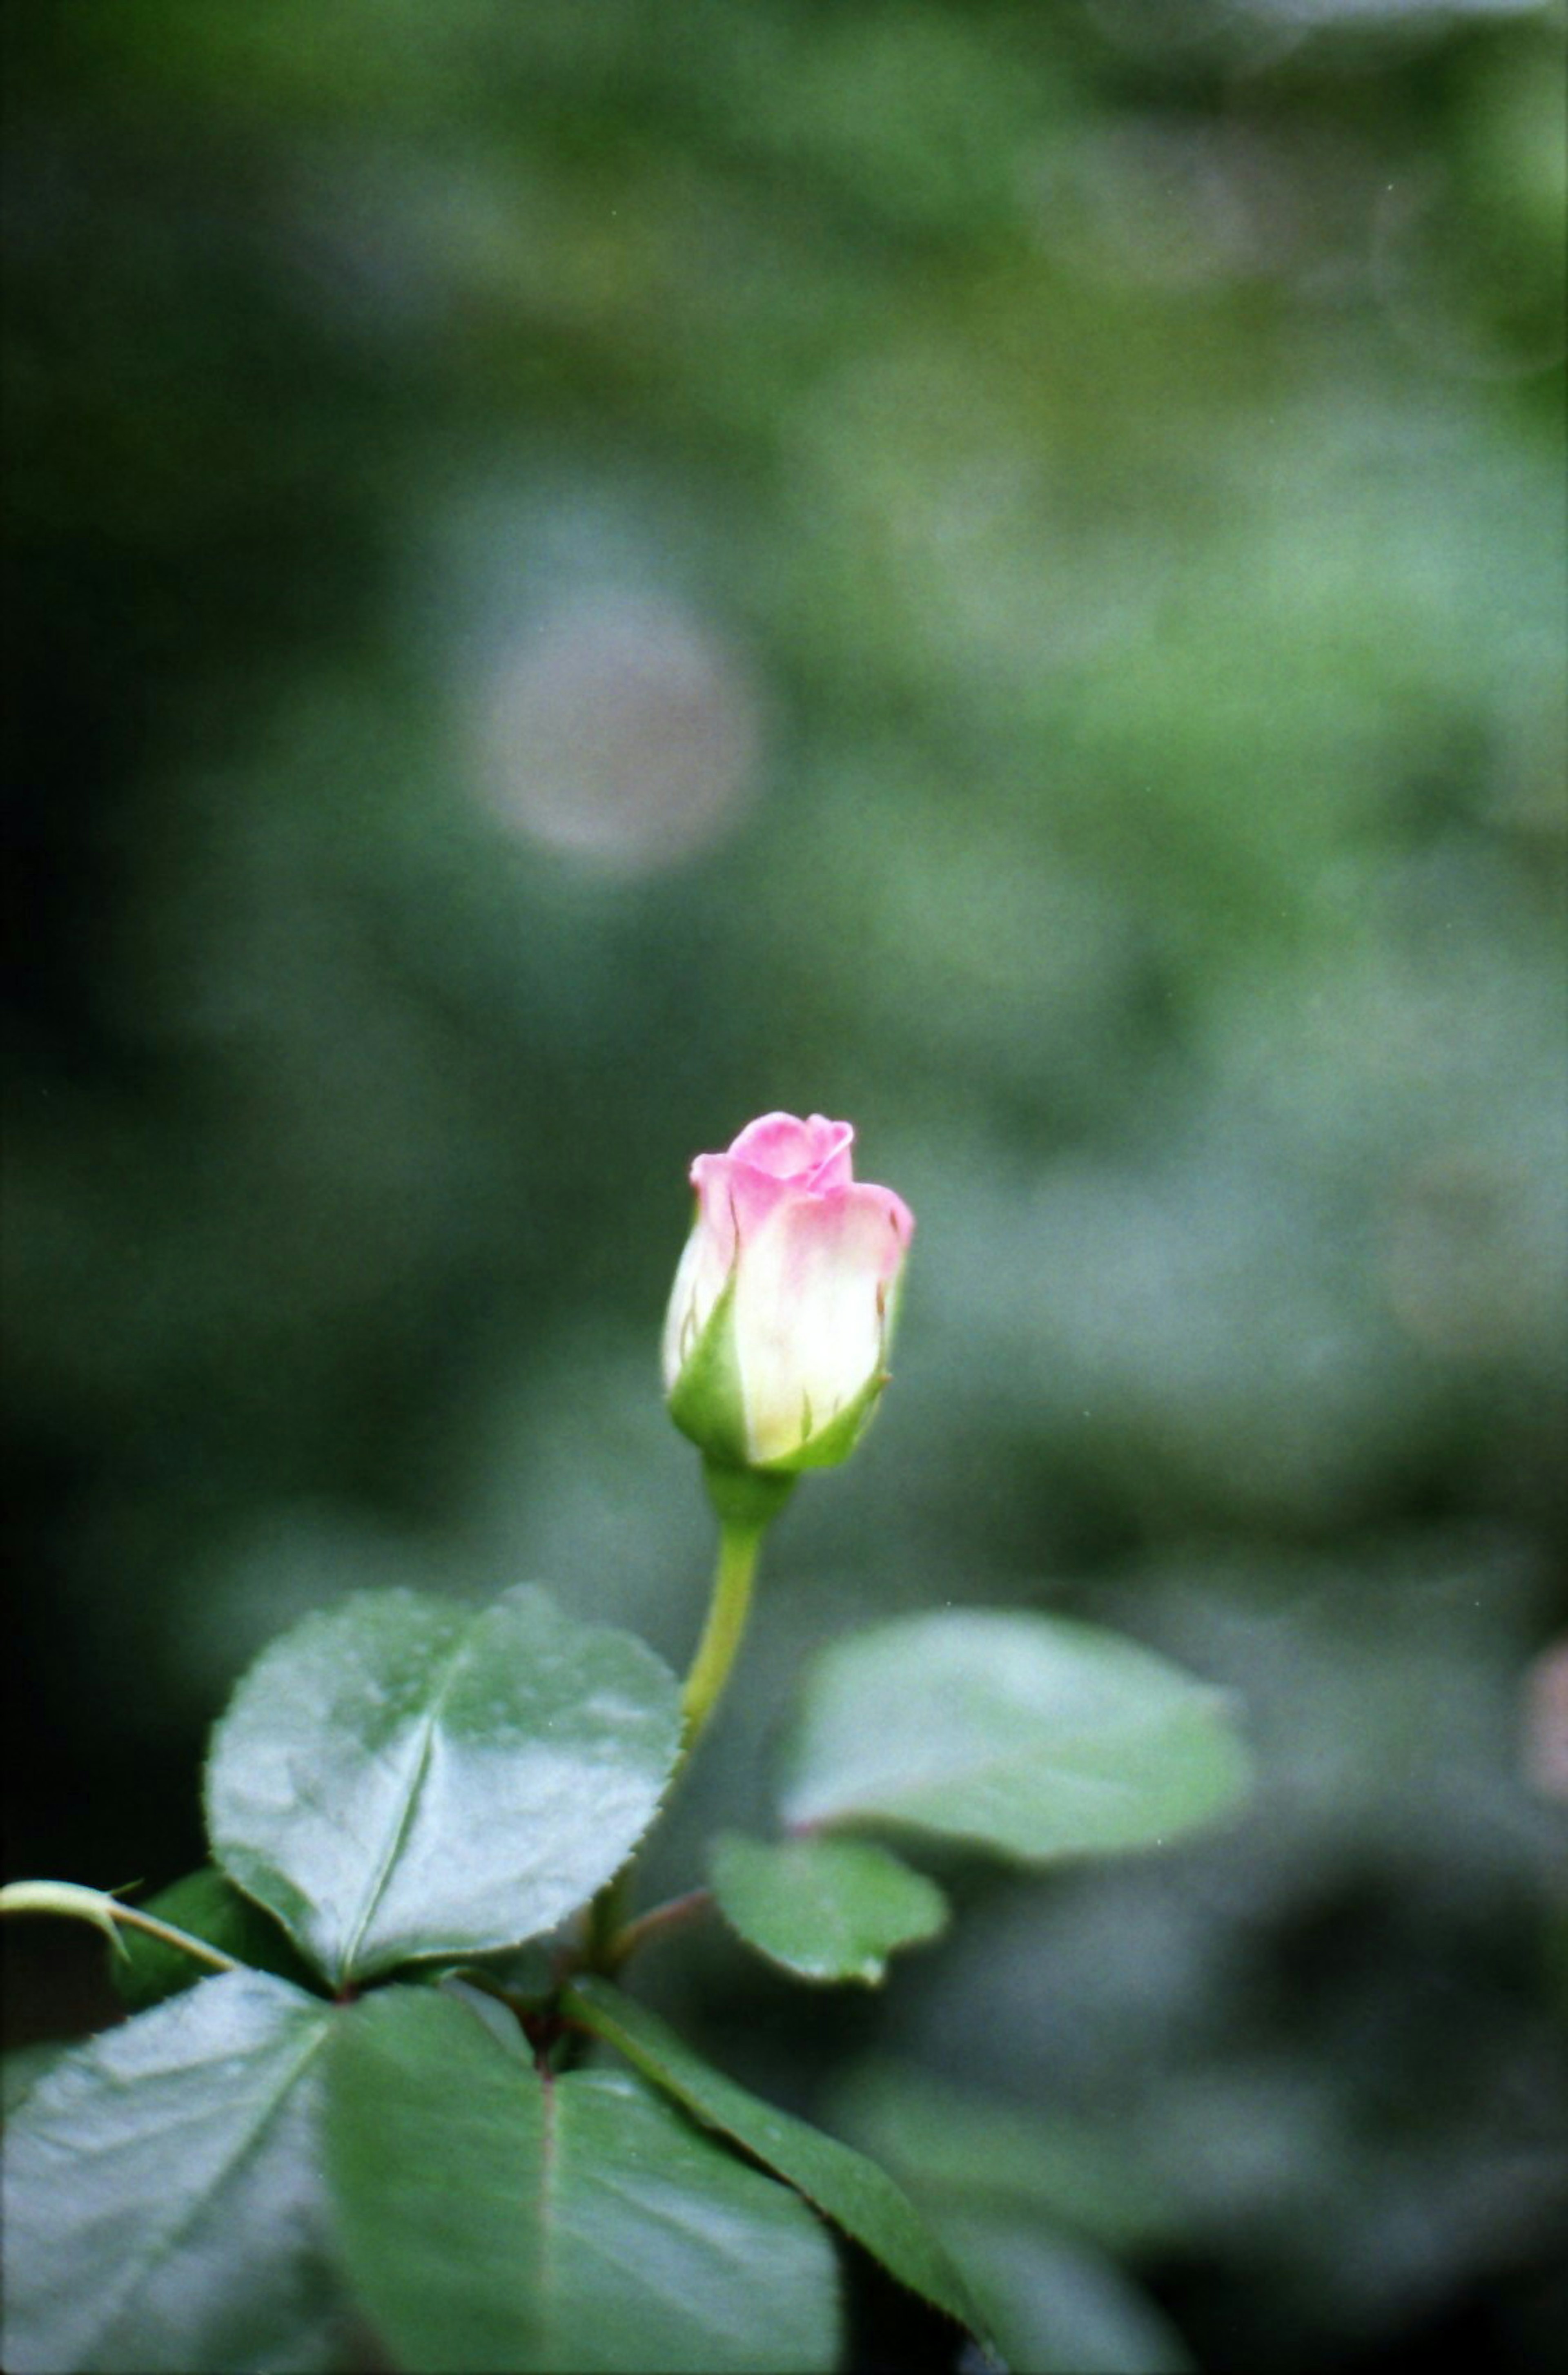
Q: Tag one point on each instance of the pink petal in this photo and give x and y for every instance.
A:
(815, 1151)
(835, 1160)
(735, 1195)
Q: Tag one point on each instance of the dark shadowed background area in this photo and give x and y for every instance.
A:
(577, 573)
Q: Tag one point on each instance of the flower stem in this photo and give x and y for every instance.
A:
(739, 1547)
(747, 1503)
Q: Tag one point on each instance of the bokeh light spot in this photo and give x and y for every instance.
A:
(621, 730)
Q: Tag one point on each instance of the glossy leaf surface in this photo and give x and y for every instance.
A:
(162, 2207)
(848, 2189)
(1031, 1735)
(823, 1909)
(399, 1776)
(493, 2220)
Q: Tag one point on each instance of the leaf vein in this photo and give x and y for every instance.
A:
(416, 1766)
(138, 2278)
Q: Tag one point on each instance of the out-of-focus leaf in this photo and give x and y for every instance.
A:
(846, 2188)
(823, 1909)
(493, 2218)
(208, 1905)
(951, 2146)
(1060, 2307)
(162, 2205)
(400, 1777)
(1031, 1735)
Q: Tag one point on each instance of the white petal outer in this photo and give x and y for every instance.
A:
(811, 1291)
(698, 1282)
(680, 1323)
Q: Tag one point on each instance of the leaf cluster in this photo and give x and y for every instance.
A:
(417, 2117)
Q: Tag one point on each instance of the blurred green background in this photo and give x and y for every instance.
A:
(577, 573)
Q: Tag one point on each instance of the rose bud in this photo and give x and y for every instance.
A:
(781, 1314)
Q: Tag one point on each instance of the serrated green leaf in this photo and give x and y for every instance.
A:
(399, 1777)
(823, 1909)
(162, 2209)
(208, 1905)
(1031, 1735)
(845, 2187)
(493, 2218)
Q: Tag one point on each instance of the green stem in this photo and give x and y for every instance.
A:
(747, 1503)
(203, 1952)
(106, 1913)
(607, 1918)
(660, 1922)
(739, 1548)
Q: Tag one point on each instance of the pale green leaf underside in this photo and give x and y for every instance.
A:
(398, 1777)
(162, 2209)
(848, 2189)
(823, 1909)
(492, 2219)
(1031, 1735)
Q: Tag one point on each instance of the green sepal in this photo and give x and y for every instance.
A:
(708, 1403)
(835, 1441)
(705, 1401)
